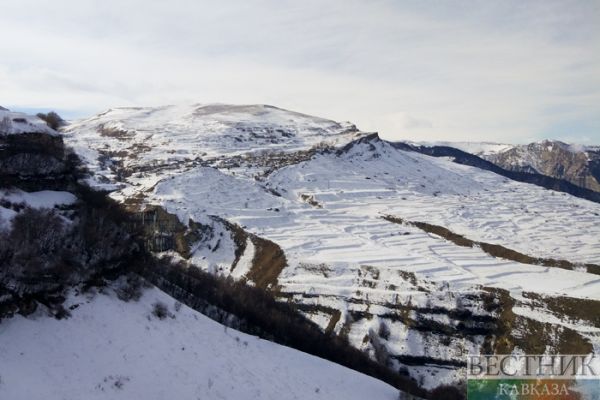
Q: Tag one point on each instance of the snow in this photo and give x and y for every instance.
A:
(22, 123)
(328, 216)
(245, 262)
(328, 247)
(477, 148)
(572, 147)
(532, 156)
(486, 149)
(109, 349)
(6, 215)
(578, 148)
(175, 135)
(349, 228)
(40, 199)
(215, 254)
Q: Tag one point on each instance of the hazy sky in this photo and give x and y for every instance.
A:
(510, 71)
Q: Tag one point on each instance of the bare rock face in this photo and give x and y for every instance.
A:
(576, 164)
(34, 160)
(31, 153)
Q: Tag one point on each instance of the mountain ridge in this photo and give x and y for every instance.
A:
(410, 259)
(576, 163)
(71, 265)
(348, 269)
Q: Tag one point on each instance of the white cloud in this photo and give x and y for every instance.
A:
(504, 71)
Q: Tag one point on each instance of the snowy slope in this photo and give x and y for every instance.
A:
(348, 268)
(15, 122)
(40, 199)
(361, 186)
(109, 349)
(15, 198)
(174, 137)
(332, 244)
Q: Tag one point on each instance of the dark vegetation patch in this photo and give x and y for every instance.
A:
(529, 335)
(425, 360)
(33, 160)
(160, 310)
(447, 392)
(45, 251)
(310, 199)
(240, 239)
(52, 119)
(335, 317)
(268, 262)
(573, 309)
(112, 132)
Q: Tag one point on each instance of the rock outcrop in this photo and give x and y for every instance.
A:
(576, 164)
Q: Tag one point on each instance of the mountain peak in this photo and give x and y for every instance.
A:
(202, 134)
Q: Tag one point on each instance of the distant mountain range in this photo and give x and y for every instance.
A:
(574, 163)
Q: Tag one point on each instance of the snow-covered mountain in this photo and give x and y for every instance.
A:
(68, 330)
(574, 163)
(172, 138)
(413, 259)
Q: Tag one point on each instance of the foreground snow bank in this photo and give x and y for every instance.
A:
(109, 349)
(41, 199)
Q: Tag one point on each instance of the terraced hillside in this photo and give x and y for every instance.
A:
(78, 321)
(335, 221)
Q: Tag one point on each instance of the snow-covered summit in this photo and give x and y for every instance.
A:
(142, 140)
(16, 122)
(211, 129)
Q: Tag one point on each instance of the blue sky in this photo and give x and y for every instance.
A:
(507, 71)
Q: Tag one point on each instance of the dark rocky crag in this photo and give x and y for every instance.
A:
(43, 251)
